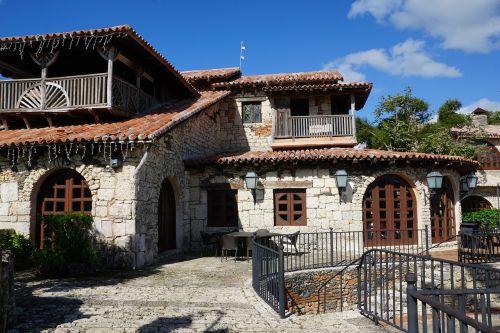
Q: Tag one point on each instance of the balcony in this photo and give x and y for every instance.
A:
(310, 131)
(59, 94)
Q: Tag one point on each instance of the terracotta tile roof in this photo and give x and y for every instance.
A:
(145, 127)
(211, 74)
(284, 78)
(320, 86)
(327, 155)
(489, 131)
(124, 30)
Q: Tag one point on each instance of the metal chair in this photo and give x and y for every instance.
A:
(261, 232)
(229, 244)
(291, 240)
(209, 241)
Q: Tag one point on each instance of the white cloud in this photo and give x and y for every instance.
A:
(406, 59)
(468, 25)
(483, 103)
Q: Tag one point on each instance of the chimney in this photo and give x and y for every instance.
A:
(479, 117)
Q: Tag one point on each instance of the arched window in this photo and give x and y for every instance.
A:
(443, 214)
(488, 156)
(474, 203)
(64, 192)
(389, 212)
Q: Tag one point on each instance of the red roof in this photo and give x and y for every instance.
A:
(327, 155)
(489, 131)
(125, 30)
(145, 127)
(211, 74)
(274, 79)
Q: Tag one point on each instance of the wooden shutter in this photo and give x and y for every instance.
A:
(290, 207)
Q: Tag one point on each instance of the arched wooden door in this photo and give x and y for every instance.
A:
(474, 203)
(443, 214)
(389, 212)
(166, 217)
(63, 192)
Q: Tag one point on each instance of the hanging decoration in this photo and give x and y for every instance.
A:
(52, 44)
(26, 153)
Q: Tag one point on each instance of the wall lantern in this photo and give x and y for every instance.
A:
(341, 180)
(464, 188)
(251, 183)
(115, 163)
(471, 181)
(434, 181)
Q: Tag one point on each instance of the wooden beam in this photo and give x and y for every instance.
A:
(94, 114)
(26, 122)
(111, 58)
(19, 73)
(5, 123)
(49, 121)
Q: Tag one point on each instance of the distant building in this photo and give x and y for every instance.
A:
(97, 121)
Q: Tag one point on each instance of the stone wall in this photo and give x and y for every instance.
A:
(324, 207)
(7, 298)
(302, 290)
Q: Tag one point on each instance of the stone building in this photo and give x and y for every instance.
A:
(98, 121)
(488, 138)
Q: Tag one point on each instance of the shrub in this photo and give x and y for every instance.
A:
(67, 245)
(19, 245)
(487, 218)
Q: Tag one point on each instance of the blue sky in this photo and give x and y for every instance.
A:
(449, 49)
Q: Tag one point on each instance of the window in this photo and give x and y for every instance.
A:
(488, 156)
(251, 112)
(222, 208)
(389, 212)
(299, 107)
(290, 207)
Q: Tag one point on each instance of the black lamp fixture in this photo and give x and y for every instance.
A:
(341, 181)
(251, 182)
(434, 181)
(471, 181)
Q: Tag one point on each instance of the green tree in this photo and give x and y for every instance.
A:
(448, 116)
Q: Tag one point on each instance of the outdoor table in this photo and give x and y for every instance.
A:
(243, 237)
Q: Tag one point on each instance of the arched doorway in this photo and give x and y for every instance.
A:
(389, 212)
(443, 214)
(474, 203)
(63, 192)
(166, 217)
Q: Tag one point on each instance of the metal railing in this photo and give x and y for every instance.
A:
(314, 126)
(273, 256)
(268, 274)
(442, 285)
(331, 248)
(479, 247)
(62, 93)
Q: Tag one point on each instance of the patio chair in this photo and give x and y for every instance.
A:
(291, 239)
(229, 244)
(261, 232)
(209, 241)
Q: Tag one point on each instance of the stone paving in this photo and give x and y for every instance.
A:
(181, 294)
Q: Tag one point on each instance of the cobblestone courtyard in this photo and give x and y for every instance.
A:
(178, 295)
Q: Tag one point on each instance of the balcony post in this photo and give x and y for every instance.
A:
(111, 55)
(353, 111)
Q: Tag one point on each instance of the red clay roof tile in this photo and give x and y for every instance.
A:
(283, 78)
(145, 127)
(326, 155)
(489, 131)
(211, 74)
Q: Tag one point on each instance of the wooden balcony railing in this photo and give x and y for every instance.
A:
(314, 126)
(71, 92)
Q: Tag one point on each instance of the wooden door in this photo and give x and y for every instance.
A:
(389, 213)
(166, 218)
(443, 214)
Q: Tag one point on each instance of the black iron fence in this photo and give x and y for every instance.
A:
(276, 254)
(311, 250)
(479, 247)
(268, 274)
(440, 296)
